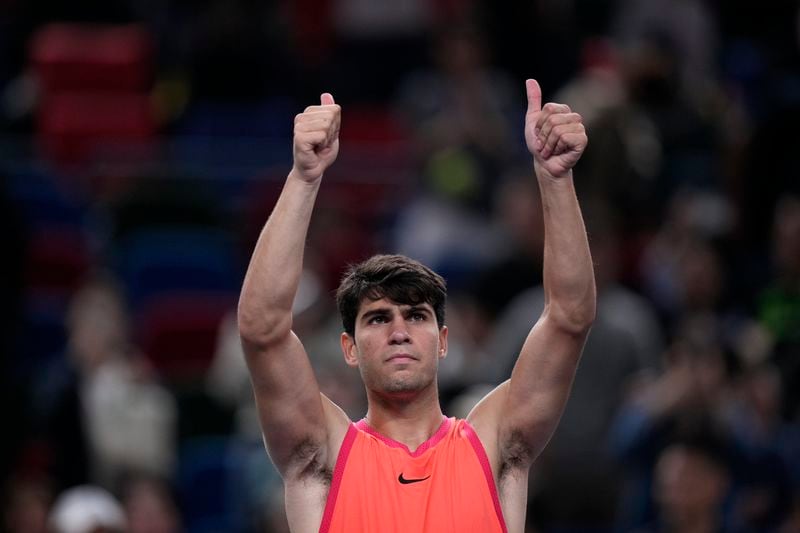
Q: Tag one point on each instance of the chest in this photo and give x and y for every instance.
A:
(446, 488)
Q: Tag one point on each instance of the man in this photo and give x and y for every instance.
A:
(405, 466)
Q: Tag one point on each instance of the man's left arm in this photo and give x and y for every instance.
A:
(517, 419)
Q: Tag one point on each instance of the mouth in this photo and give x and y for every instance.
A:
(401, 358)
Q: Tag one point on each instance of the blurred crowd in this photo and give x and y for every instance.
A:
(143, 143)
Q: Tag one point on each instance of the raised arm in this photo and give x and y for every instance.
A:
(519, 417)
(295, 418)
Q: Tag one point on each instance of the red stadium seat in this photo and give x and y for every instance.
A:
(73, 125)
(95, 88)
(68, 57)
(178, 332)
(57, 261)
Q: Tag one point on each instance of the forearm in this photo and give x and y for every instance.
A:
(567, 271)
(270, 285)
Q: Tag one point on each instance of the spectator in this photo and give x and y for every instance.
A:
(150, 506)
(692, 481)
(105, 413)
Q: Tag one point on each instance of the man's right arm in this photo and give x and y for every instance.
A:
(298, 422)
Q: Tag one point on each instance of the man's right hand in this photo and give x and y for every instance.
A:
(316, 139)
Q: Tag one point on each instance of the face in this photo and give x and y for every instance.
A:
(688, 483)
(396, 347)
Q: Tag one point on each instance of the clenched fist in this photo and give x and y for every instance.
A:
(316, 138)
(555, 135)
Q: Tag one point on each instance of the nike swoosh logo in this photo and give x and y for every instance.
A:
(405, 481)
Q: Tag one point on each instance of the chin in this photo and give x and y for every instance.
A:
(395, 388)
(410, 385)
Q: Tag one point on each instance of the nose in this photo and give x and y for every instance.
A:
(399, 333)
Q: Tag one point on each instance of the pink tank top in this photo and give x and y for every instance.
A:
(445, 485)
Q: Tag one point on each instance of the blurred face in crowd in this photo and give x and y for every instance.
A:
(150, 509)
(688, 484)
(701, 276)
(97, 326)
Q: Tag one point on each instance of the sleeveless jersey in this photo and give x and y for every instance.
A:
(445, 485)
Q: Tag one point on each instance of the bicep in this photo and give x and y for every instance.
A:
(522, 413)
(292, 411)
(541, 381)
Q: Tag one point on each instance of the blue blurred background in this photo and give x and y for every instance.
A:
(144, 143)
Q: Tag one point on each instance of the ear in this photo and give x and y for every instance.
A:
(349, 349)
(443, 342)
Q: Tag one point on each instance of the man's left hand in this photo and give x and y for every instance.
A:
(555, 135)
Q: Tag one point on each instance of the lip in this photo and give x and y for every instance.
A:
(401, 358)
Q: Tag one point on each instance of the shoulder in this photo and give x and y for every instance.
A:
(507, 449)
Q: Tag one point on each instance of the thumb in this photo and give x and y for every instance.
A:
(534, 96)
(326, 99)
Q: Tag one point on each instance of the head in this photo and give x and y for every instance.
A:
(98, 322)
(392, 310)
(394, 277)
(150, 506)
(692, 477)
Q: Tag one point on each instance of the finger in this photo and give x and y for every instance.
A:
(326, 99)
(554, 120)
(318, 111)
(337, 123)
(561, 132)
(534, 95)
(550, 109)
(321, 126)
(311, 140)
(321, 123)
(547, 133)
(568, 142)
(548, 144)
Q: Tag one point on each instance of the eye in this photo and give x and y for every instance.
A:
(377, 319)
(418, 316)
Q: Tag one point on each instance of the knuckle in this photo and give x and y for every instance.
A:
(565, 132)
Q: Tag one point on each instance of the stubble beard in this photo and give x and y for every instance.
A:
(397, 384)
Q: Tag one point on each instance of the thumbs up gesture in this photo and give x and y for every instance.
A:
(555, 135)
(316, 138)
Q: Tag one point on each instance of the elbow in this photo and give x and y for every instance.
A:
(260, 328)
(575, 319)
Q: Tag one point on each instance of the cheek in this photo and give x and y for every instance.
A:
(365, 346)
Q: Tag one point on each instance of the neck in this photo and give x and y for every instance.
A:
(408, 421)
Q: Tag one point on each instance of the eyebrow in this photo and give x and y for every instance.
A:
(375, 312)
(382, 311)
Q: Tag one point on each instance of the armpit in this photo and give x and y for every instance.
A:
(307, 458)
(515, 454)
